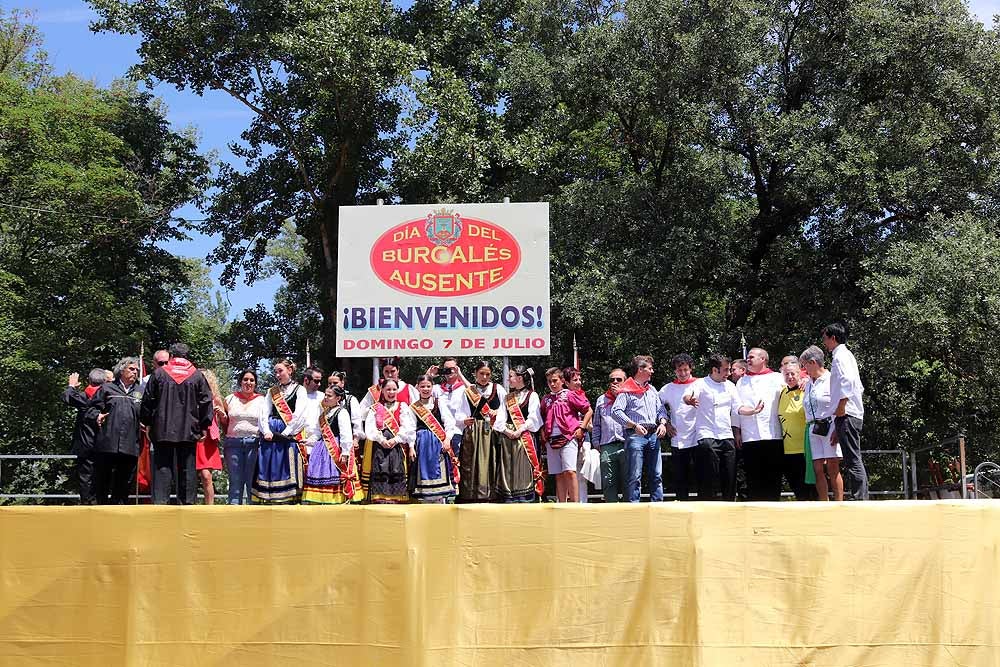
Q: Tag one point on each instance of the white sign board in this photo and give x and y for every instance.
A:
(443, 280)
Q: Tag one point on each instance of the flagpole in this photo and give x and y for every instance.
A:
(743, 342)
(308, 356)
(576, 354)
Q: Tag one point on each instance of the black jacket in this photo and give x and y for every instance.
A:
(120, 432)
(85, 429)
(177, 403)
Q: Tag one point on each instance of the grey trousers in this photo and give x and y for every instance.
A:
(855, 476)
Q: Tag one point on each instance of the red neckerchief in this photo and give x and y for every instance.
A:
(179, 369)
(448, 388)
(688, 381)
(90, 390)
(245, 397)
(763, 372)
(630, 386)
(610, 396)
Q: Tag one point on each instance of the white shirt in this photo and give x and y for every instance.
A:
(716, 413)
(356, 416)
(311, 431)
(682, 415)
(407, 426)
(533, 419)
(753, 389)
(463, 411)
(345, 427)
(298, 420)
(845, 382)
(447, 418)
(368, 401)
(244, 418)
(816, 403)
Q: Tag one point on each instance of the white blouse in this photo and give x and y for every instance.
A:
(407, 426)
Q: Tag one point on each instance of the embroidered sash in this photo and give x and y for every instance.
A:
(387, 419)
(426, 415)
(480, 403)
(375, 393)
(348, 473)
(285, 412)
(528, 442)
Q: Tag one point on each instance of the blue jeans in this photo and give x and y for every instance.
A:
(241, 461)
(643, 455)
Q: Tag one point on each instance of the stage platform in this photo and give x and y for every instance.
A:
(880, 583)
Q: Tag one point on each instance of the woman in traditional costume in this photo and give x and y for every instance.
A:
(332, 475)
(434, 467)
(518, 477)
(278, 479)
(389, 429)
(482, 414)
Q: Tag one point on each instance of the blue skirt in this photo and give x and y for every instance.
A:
(278, 477)
(430, 476)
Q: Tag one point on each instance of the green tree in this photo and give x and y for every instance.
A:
(89, 178)
(325, 81)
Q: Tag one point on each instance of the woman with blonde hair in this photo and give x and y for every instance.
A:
(279, 475)
(206, 454)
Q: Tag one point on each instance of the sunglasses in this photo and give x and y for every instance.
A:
(616, 380)
(447, 371)
(161, 363)
(316, 380)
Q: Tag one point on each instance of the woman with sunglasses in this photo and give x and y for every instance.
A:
(244, 407)
(518, 477)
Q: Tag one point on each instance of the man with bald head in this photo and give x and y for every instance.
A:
(760, 429)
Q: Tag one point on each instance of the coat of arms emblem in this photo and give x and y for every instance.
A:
(444, 227)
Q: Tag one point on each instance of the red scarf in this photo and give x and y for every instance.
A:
(688, 381)
(90, 390)
(763, 372)
(245, 397)
(630, 386)
(179, 369)
(610, 396)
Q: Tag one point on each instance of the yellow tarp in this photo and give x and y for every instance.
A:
(879, 583)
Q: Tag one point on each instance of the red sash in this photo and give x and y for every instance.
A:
(387, 419)
(477, 402)
(285, 412)
(348, 474)
(434, 426)
(375, 392)
(526, 439)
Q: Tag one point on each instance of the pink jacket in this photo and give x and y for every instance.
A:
(564, 410)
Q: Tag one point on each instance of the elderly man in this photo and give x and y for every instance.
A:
(763, 444)
(117, 442)
(177, 407)
(610, 438)
(84, 431)
(846, 408)
(639, 410)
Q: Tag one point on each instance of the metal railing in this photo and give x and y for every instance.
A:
(957, 441)
(987, 472)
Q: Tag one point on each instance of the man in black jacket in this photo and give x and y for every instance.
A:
(84, 431)
(177, 408)
(117, 442)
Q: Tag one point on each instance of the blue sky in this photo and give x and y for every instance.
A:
(72, 47)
